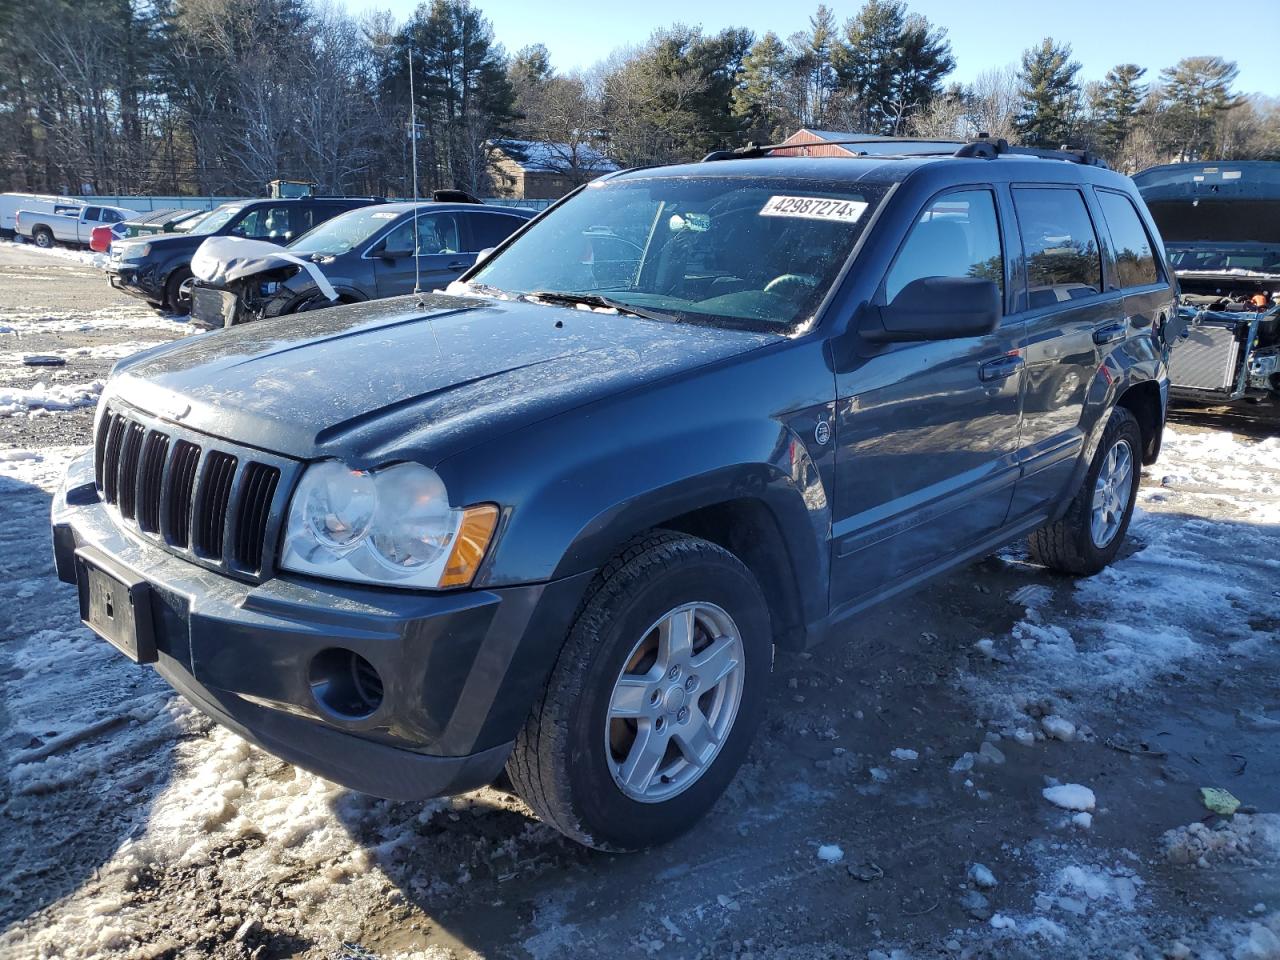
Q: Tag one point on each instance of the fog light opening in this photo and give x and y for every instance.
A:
(345, 684)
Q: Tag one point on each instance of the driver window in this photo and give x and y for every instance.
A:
(957, 235)
(438, 234)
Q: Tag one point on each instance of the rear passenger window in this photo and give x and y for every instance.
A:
(490, 229)
(957, 235)
(1063, 258)
(1135, 263)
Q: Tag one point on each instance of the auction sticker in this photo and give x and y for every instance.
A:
(814, 208)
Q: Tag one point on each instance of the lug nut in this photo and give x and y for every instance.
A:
(691, 683)
(655, 697)
(673, 673)
(683, 715)
(659, 723)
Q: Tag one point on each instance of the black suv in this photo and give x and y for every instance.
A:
(158, 268)
(557, 522)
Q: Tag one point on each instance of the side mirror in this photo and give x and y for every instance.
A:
(484, 255)
(395, 253)
(935, 308)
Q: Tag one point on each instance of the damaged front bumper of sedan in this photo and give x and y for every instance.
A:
(240, 281)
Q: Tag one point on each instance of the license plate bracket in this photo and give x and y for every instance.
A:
(116, 605)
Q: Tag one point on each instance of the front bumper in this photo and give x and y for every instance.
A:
(459, 671)
(135, 280)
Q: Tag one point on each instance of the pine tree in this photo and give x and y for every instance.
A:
(890, 66)
(759, 97)
(1118, 100)
(1049, 91)
(1197, 94)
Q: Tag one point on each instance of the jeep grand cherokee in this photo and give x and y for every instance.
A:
(556, 520)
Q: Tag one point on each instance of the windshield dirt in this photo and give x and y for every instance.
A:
(749, 252)
(344, 232)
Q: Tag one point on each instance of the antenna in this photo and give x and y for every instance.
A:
(413, 133)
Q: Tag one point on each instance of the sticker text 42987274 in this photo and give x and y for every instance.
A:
(814, 208)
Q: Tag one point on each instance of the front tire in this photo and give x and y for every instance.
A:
(177, 292)
(1090, 534)
(653, 700)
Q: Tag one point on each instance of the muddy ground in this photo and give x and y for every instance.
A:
(134, 827)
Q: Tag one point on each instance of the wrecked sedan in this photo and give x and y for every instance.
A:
(556, 520)
(1221, 222)
(365, 254)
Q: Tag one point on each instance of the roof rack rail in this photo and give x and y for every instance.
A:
(760, 149)
(985, 148)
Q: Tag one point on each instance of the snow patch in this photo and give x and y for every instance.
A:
(1070, 796)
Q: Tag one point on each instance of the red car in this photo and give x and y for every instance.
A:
(100, 238)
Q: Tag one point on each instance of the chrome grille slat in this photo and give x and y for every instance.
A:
(211, 502)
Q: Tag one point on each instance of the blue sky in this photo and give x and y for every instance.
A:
(983, 35)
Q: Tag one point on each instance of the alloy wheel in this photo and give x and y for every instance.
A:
(1111, 493)
(674, 703)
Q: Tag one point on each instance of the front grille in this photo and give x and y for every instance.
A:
(217, 504)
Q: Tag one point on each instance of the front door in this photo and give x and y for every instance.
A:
(439, 257)
(927, 432)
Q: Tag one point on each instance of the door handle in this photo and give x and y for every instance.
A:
(458, 265)
(1110, 333)
(1000, 368)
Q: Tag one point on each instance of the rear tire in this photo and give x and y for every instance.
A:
(1090, 533)
(638, 732)
(177, 292)
(42, 237)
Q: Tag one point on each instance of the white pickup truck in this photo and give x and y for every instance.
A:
(67, 223)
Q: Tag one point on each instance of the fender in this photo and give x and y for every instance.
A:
(579, 485)
(1133, 362)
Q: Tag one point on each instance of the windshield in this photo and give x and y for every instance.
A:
(344, 232)
(188, 224)
(754, 252)
(214, 219)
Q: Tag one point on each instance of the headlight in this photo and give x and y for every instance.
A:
(393, 526)
(135, 251)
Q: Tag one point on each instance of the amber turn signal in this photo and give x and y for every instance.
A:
(469, 545)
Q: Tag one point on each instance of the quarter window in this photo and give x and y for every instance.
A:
(1063, 258)
(957, 235)
(1135, 263)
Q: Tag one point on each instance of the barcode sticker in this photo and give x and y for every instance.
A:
(815, 208)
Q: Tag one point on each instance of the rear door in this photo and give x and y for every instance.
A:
(1067, 309)
(1136, 268)
(927, 432)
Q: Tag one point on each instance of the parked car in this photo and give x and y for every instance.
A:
(101, 238)
(11, 203)
(558, 519)
(158, 268)
(67, 223)
(162, 221)
(1221, 222)
(364, 254)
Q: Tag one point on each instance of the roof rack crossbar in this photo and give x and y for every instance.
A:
(985, 148)
(760, 149)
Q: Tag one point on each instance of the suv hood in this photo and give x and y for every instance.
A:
(162, 244)
(374, 380)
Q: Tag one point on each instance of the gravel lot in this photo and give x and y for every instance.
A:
(889, 767)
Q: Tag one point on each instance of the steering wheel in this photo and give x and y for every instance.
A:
(789, 282)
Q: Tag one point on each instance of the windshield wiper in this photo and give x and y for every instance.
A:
(596, 300)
